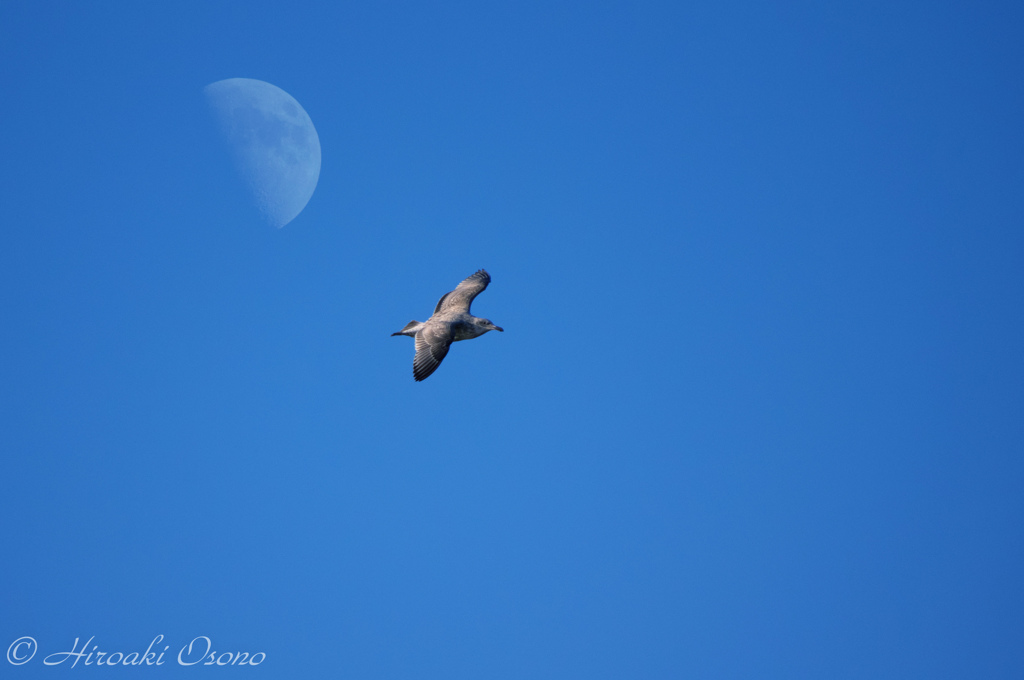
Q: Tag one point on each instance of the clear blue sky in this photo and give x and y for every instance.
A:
(757, 412)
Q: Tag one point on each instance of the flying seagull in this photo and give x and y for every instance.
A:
(450, 322)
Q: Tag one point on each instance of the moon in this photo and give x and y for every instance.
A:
(273, 142)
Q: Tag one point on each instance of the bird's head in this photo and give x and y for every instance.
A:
(486, 323)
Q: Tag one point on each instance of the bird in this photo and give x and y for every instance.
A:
(450, 322)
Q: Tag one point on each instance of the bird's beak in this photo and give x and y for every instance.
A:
(499, 328)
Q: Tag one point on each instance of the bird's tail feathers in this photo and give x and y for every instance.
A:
(410, 329)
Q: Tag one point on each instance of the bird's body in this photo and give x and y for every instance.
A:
(450, 322)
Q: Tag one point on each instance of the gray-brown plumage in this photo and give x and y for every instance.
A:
(450, 322)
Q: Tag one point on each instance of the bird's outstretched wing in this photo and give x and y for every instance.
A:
(461, 298)
(431, 347)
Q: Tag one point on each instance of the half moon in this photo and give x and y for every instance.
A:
(273, 142)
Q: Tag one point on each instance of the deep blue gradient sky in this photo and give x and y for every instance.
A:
(757, 411)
